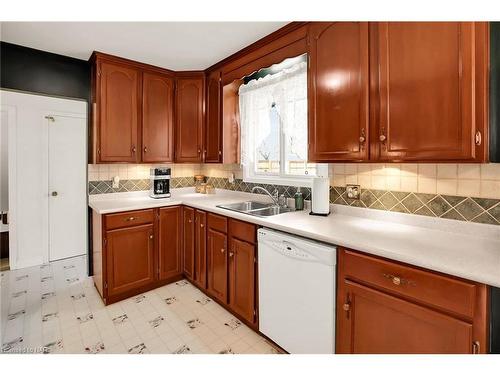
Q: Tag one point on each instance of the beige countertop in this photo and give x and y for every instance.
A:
(462, 249)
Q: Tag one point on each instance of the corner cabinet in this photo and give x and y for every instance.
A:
(189, 114)
(398, 91)
(338, 91)
(386, 307)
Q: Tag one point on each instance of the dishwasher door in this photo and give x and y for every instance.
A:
(297, 292)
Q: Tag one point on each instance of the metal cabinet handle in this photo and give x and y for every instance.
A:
(231, 253)
(202, 225)
(190, 221)
(54, 194)
(362, 138)
(145, 149)
(150, 236)
(131, 218)
(382, 138)
(222, 250)
(133, 149)
(478, 138)
(396, 280)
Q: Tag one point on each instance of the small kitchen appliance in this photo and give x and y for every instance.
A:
(160, 182)
(320, 192)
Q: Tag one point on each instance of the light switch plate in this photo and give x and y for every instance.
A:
(353, 191)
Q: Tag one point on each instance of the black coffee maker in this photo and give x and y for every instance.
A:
(160, 182)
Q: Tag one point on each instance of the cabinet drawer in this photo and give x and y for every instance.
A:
(217, 222)
(128, 219)
(447, 293)
(241, 230)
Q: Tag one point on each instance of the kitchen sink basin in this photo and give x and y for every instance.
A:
(270, 211)
(245, 206)
(256, 208)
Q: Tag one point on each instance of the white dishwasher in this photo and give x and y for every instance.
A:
(297, 292)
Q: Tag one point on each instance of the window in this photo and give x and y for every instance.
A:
(273, 113)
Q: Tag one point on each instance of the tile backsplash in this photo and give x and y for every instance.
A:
(467, 180)
(466, 192)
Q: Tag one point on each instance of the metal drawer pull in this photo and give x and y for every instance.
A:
(231, 253)
(221, 250)
(396, 280)
(151, 236)
(476, 347)
(131, 218)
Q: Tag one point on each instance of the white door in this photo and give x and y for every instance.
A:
(30, 228)
(67, 186)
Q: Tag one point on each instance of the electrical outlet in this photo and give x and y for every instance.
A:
(353, 191)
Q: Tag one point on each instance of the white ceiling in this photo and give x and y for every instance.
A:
(172, 45)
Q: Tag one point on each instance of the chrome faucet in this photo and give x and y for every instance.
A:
(274, 195)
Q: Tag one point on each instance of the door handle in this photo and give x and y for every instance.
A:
(54, 194)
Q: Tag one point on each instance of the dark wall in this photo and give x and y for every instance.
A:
(495, 321)
(31, 70)
(495, 92)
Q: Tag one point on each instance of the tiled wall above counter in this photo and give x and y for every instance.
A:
(466, 192)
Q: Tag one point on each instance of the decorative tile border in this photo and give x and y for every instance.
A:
(106, 187)
(478, 210)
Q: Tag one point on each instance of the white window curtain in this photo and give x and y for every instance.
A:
(284, 88)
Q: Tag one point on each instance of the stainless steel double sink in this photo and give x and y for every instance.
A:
(256, 208)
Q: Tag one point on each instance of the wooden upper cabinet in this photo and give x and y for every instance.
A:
(157, 118)
(338, 91)
(429, 98)
(188, 242)
(213, 132)
(130, 262)
(170, 242)
(242, 278)
(117, 106)
(189, 119)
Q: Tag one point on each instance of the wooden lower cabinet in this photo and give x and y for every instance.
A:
(188, 242)
(242, 278)
(130, 258)
(217, 264)
(136, 251)
(170, 242)
(380, 309)
(200, 252)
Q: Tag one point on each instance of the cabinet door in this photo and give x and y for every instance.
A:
(189, 119)
(118, 107)
(169, 242)
(129, 258)
(242, 278)
(213, 133)
(217, 264)
(431, 90)
(188, 242)
(200, 256)
(157, 118)
(372, 322)
(338, 91)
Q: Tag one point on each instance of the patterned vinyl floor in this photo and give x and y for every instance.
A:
(55, 308)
